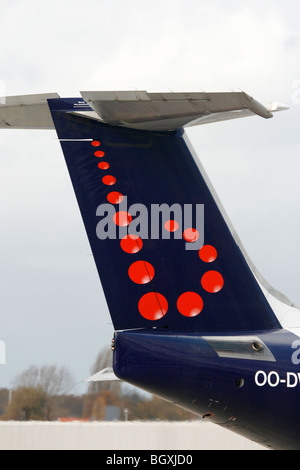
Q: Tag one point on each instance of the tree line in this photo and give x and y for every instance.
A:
(43, 394)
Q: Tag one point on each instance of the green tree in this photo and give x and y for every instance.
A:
(52, 379)
(39, 385)
(107, 398)
(66, 406)
(99, 407)
(27, 403)
(4, 399)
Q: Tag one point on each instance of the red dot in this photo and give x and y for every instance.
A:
(109, 180)
(99, 154)
(122, 218)
(171, 226)
(153, 306)
(96, 143)
(131, 244)
(103, 165)
(208, 253)
(191, 235)
(190, 304)
(212, 281)
(115, 197)
(141, 272)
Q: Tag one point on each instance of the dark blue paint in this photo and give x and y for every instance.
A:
(185, 370)
(156, 168)
(169, 357)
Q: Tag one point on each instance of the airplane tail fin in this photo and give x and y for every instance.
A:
(165, 255)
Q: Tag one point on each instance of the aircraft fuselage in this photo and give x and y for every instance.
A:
(232, 381)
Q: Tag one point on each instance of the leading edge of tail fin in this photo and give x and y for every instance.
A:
(164, 253)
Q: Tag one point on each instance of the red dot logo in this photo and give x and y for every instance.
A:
(96, 143)
(103, 165)
(171, 226)
(191, 235)
(190, 304)
(141, 272)
(115, 197)
(153, 306)
(122, 218)
(208, 254)
(109, 180)
(131, 244)
(212, 281)
(99, 154)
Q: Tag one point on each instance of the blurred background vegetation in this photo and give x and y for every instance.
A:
(43, 394)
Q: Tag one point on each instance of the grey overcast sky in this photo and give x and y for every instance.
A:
(52, 308)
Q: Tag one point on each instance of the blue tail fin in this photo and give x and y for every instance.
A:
(163, 280)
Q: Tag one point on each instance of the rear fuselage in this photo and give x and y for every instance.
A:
(249, 384)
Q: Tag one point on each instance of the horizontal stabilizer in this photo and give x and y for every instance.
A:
(26, 112)
(104, 375)
(135, 109)
(169, 111)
